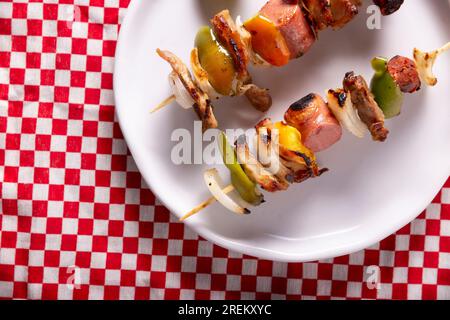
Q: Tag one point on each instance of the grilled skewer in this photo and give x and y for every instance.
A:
(355, 107)
(282, 30)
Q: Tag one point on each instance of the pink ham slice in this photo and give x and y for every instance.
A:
(290, 20)
(318, 126)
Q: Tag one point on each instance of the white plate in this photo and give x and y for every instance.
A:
(373, 189)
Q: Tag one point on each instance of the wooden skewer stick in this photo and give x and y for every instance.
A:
(444, 48)
(163, 104)
(205, 204)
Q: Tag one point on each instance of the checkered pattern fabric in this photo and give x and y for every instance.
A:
(78, 222)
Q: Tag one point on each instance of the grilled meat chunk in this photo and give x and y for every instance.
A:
(289, 18)
(259, 98)
(202, 104)
(368, 109)
(404, 72)
(343, 12)
(388, 7)
(320, 11)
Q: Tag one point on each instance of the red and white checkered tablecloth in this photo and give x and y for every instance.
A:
(78, 222)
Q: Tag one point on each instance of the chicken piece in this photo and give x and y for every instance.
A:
(228, 35)
(255, 170)
(368, 109)
(268, 154)
(202, 104)
(302, 165)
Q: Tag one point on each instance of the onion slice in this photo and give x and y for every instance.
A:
(425, 62)
(268, 154)
(340, 103)
(214, 183)
(180, 92)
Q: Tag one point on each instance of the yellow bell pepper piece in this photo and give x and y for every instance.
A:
(291, 139)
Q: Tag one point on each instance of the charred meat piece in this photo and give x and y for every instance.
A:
(259, 98)
(343, 12)
(255, 170)
(202, 104)
(368, 109)
(302, 164)
(388, 7)
(404, 72)
(288, 17)
(317, 125)
(320, 11)
(226, 32)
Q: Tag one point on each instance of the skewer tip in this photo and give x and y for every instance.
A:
(163, 104)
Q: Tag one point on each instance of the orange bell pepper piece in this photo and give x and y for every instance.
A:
(267, 40)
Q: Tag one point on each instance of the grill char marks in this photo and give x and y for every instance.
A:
(255, 170)
(227, 34)
(317, 125)
(303, 103)
(202, 104)
(368, 109)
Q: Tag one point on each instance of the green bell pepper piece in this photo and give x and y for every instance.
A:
(387, 93)
(246, 188)
(216, 61)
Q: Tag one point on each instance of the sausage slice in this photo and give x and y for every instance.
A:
(292, 23)
(404, 72)
(318, 126)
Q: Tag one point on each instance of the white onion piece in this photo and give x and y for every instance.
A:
(246, 37)
(181, 94)
(201, 76)
(425, 62)
(214, 184)
(347, 114)
(268, 151)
